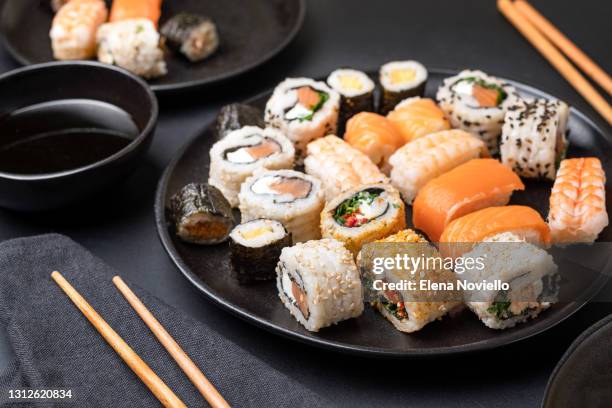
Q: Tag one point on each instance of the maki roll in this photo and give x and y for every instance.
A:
(244, 151)
(400, 80)
(356, 91)
(192, 35)
(238, 115)
(255, 248)
(529, 271)
(363, 215)
(201, 214)
(288, 196)
(533, 138)
(133, 45)
(319, 283)
(477, 103)
(303, 110)
(339, 166)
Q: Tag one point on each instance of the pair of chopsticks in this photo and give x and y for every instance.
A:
(544, 36)
(155, 384)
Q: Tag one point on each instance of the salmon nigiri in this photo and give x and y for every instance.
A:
(130, 9)
(477, 184)
(417, 117)
(578, 201)
(375, 136)
(524, 222)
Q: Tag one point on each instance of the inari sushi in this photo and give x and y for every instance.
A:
(400, 80)
(578, 201)
(319, 283)
(533, 137)
(474, 185)
(408, 310)
(339, 166)
(477, 103)
(255, 247)
(356, 91)
(288, 196)
(460, 235)
(363, 215)
(304, 110)
(417, 117)
(375, 136)
(414, 164)
(244, 151)
(74, 28)
(131, 9)
(192, 35)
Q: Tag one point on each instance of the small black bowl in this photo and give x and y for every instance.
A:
(106, 86)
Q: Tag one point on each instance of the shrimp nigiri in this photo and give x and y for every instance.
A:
(417, 117)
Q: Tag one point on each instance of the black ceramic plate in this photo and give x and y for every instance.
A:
(583, 376)
(251, 32)
(208, 267)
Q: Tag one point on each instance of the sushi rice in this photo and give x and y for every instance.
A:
(356, 90)
(400, 80)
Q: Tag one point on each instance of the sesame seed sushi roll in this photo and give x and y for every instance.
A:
(288, 196)
(304, 110)
(244, 151)
(133, 45)
(319, 283)
(255, 247)
(236, 116)
(578, 201)
(400, 80)
(339, 166)
(356, 91)
(192, 35)
(201, 214)
(74, 28)
(417, 117)
(534, 137)
(363, 215)
(477, 103)
(408, 310)
(418, 162)
(530, 273)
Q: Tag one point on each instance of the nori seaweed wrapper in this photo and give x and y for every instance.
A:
(389, 99)
(350, 106)
(236, 116)
(193, 35)
(201, 214)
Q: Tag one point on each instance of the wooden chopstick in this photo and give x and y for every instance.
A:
(163, 393)
(192, 371)
(565, 68)
(565, 44)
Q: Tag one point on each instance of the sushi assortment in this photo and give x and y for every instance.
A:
(314, 201)
(128, 35)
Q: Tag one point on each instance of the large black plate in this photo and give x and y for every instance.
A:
(208, 269)
(251, 32)
(584, 374)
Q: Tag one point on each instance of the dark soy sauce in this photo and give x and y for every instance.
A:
(62, 135)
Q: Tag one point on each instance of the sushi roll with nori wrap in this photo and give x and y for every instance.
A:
(400, 80)
(356, 91)
(201, 214)
(533, 139)
(238, 115)
(244, 151)
(304, 110)
(255, 248)
(193, 35)
(319, 283)
(363, 214)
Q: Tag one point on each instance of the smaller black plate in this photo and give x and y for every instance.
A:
(583, 377)
(251, 32)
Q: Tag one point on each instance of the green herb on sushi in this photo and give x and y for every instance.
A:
(361, 208)
(485, 94)
(236, 116)
(194, 36)
(309, 102)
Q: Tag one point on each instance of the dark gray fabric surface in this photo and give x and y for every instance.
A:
(56, 347)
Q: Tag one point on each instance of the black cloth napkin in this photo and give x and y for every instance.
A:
(56, 347)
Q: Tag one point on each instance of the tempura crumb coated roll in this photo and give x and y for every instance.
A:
(304, 110)
(242, 152)
(363, 215)
(356, 91)
(400, 80)
(339, 166)
(319, 283)
(288, 196)
(424, 159)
